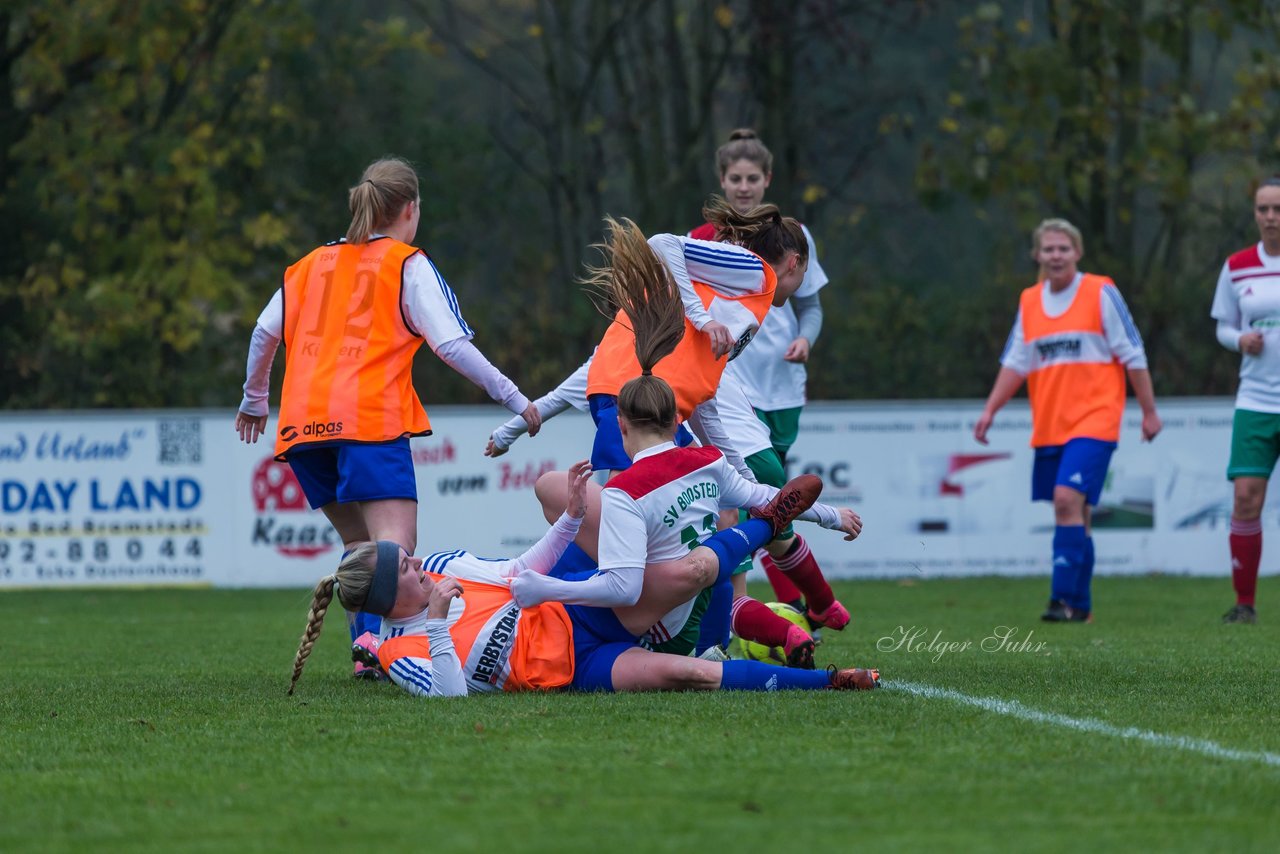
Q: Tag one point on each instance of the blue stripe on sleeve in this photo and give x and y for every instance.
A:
(435, 563)
(1008, 345)
(451, 299)
(1117, 302)
(728, 261)
(735, 252)
(415, 675)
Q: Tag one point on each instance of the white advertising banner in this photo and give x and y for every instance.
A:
(173, 497)
(934, 502)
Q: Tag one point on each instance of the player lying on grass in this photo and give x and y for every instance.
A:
(451, 626)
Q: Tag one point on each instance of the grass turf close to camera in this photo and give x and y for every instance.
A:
(158, 720)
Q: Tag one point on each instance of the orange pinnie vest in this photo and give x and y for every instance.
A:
(1075, 383)
(348, 370)
(690, 369)
(501, 647)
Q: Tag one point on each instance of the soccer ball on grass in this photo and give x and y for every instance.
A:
(752, 651)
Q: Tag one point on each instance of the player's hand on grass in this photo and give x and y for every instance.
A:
(850, 523)
(721, 338)
(579, 476)
(445, 590)
(797, 350)
(533, 418)
(250, 427)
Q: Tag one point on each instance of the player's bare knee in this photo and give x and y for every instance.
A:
(552, 492)
(780, 546)
(1250, 494)
(1068, 506)
(703, 566)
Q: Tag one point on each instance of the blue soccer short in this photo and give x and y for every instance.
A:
(598, 636)
(355, 471)
(1081, 464)
(598, 640)
(607, 451)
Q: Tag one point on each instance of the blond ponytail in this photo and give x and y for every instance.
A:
(386, 186)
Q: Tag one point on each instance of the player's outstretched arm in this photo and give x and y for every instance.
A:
(572, 392)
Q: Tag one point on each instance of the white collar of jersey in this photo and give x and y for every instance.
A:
(651, 451)
(1075, 283)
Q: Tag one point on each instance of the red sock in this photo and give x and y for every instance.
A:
(802, 569)
(1246, 554)
(753, 621)
(782, 586)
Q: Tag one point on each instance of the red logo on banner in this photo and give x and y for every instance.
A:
(275, 491)
(958, 463)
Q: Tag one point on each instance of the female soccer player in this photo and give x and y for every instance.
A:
(773, 370)
(670, 498)
(726, 291)
(352, 314)
(766, 383)
(1246, 305)
(1073, 341)
(452, 627)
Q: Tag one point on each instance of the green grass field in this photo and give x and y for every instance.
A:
(157, 720)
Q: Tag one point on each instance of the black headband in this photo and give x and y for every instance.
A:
(386, 579)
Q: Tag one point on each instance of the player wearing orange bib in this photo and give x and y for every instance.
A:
(726, 290)
(1073, 341)
(352, 314)
(452, 628)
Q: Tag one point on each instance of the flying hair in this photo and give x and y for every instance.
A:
(636, 280)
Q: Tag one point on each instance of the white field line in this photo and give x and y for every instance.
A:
(1014, 709)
